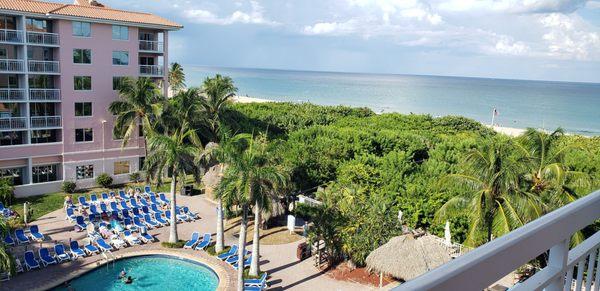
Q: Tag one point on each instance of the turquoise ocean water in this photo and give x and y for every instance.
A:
(520, 103)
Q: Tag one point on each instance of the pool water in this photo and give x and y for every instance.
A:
(150, 273)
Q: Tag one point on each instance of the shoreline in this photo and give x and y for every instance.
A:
(510, 131)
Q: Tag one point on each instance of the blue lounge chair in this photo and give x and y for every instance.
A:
(204, 243)
(150, 222)
(168, 217)
(79, 222)
(262, 281)
(94, 198)
(103, 245)
(133, 203)
(138, 223)
(232, 252)
(94, 210)
(155, 209)
(92, 217)
(233, 259)
(83, 203)
(163, 198)
(145, 210)
(114, 206)
(91, 249)
(46, 258)
(190, 214)
(153, 199)
(160, 220)
(246, 264)
(123, 195)
(131, 239)
(193, 241)
(136, 213)
(8, 240)
(21, 237)
(60, 254)
(103, 207)
(129, 224)
(2, 206)
(144, 202)
(76, 252)
(35, 233)
(144, 236)
(255, 288)
(124, 205)
(104, 196)
(147, 189)
(30, 261)
(70, 214)
(125, 214)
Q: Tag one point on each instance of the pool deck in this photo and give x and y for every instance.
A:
(279, 261)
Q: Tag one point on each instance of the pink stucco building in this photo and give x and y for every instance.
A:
(59, 68)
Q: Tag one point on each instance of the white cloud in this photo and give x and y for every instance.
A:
(255, 16)
(330, 28)
(512, 6)
(509, 47)
(567, 37)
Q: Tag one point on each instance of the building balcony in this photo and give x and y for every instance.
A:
(149, 46)
(45, 121)
(43, 95)
(7, 95)
(12, 123)
(43, 38)
(12, 66)
(151, 71)
(44, 66)
(11, 36)
(574, 269)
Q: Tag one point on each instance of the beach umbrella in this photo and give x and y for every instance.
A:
(406, 257)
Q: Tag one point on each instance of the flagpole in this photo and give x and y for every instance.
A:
(493, 116)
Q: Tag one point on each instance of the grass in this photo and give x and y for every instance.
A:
(178, 245)
(272, 236)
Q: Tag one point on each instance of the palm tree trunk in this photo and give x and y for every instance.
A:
(242, 247)
(254, 267)
(173, 228)
(219, 243)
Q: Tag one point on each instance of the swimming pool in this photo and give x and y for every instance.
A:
(152, 272)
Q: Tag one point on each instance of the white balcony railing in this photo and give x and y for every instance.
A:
(11, 35)
(147, 70)
(151, 46)
(45, 121)
(8, 65)
(44, 66)
(12, 94)
(13, 123)
(44, 94)
(481, 267)
(42, 38)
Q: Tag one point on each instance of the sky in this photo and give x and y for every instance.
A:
(518, 39)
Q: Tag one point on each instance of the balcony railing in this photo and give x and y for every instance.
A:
(8, 65)
(151, 46)
(45, 121)
(552, 232)
(44, 66)
(147, 70)
(44, 94)
(13, 123)
(42, 38)
(12, 94)
(11, 35)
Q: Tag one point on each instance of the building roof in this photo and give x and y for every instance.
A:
(90, 12)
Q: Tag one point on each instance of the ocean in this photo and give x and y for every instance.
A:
(519, 103)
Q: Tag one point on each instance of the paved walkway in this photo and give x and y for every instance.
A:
(285, 271)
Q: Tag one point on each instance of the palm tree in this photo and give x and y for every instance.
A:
(137, 104)
(174, 150)
(217, 92)
(7, 262)
(492, 199)
(176, 78)
(248, 180)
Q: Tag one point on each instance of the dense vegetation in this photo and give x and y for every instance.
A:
(373, 166)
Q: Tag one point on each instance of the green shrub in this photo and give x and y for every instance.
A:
(177, 245)
(7, 191)
(135, 177)
(104, 180)
(305, 211)
(68, 186)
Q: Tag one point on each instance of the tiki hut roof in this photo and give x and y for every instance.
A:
(406, 257)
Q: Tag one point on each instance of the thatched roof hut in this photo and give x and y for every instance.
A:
(406, 257)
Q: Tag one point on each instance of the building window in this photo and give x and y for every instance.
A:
(8, 138)
(47, 173)
(84, 134)
(44, 136)
(120, 32)
(82, 83)
(117, 81)
(141, 163)
(83, 108)
(82, 56)
(82, 29)
(84, 172)
(14, 175)
(121, 167)
(38, 25)
(120, 58)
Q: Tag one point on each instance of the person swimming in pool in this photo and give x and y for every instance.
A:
(123, 274)
(129, 280)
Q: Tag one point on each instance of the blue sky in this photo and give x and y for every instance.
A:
(524, 39)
